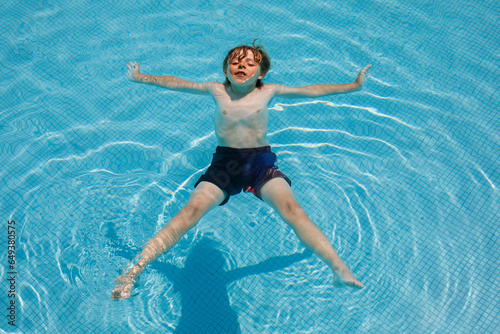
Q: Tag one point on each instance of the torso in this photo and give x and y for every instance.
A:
(241, 122)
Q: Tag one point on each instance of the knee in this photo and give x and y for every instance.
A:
(192, 212)
(292, 209)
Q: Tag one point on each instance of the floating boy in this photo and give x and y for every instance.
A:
(243, 159)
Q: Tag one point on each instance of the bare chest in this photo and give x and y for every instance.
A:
(252, 107)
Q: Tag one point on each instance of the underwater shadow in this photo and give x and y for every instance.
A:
(203, 282)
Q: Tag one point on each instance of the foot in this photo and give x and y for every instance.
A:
(344, 278)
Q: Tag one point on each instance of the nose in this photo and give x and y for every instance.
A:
(240, 65)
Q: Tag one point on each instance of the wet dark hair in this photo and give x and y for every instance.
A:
(259, 55)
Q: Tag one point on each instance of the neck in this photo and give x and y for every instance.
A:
(242, 89)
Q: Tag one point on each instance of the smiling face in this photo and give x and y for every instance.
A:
(243, 67)
(246, 59)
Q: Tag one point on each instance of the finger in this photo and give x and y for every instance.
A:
(117, 295)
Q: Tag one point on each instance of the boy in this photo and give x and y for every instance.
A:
(243, 159)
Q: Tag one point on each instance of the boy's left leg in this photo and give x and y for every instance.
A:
(278, 194)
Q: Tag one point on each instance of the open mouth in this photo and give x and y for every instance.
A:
(240, 74)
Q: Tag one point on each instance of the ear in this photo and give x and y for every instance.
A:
(262, 75)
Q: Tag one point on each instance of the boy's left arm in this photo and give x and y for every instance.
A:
(322, 90)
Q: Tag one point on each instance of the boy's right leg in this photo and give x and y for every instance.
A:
(204, 197)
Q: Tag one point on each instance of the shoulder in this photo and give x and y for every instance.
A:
(213, 86)
(277, 89)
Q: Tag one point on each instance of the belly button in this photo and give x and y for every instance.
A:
(224, 112)
(258, 110)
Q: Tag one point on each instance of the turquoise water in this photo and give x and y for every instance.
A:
(402, 176)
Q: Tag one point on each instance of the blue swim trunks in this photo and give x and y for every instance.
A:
(247, 169)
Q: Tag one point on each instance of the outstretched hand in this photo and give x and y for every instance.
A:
(124, 285)
(362, 75)
(133, 70)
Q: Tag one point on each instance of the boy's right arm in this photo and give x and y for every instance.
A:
(165, 81)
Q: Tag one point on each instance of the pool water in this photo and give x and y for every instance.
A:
(401, 176)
